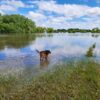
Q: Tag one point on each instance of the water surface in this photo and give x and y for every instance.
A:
(19, 52)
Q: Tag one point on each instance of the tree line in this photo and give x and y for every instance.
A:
(16, 23)
(74, 30)
(19, 24)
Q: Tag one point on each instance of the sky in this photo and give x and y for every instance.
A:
(62, 14)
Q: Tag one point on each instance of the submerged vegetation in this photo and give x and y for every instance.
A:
(90, 51)
(75, 81)
(16, 23)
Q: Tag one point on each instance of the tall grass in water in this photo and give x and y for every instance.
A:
(74, 81)
(90, 52)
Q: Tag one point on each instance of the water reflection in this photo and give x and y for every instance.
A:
(21, 51)
(95, 35)
(15, 41)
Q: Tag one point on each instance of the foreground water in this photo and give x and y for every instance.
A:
(18, 53)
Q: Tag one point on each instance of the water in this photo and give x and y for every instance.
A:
(18, 53)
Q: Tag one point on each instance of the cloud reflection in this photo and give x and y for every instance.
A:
(62, 46)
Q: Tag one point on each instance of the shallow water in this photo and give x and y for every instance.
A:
(19, 52)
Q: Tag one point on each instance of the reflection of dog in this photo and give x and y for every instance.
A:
(44, 54)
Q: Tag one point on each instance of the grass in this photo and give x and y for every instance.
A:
(90, 52)
(74, 81)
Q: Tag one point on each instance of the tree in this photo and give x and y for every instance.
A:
(40, 30)
(49, 30)
(16, 24)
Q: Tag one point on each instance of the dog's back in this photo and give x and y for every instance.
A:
(44, 54)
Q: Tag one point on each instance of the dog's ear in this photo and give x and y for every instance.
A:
(49, 51)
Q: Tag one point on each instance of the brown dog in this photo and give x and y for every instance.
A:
(44, 54)
(44, 63)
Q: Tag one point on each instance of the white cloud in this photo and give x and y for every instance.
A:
(18, 4)
(14, 3)
(68, 10)
(7, 8)
(63, 21)
(94, 11)
(51, 14)
(65, 15)
(11, 5)
(37, 17)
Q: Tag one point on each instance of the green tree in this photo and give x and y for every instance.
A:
(40, 30)
(16, 24)
(50, 30)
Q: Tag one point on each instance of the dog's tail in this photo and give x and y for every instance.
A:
(37, 51)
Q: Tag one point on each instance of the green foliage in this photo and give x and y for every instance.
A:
(49, 30)
(74, 30)
(78, 30)
(60, 30)
(95, 30)
(20, 24)
(16, 24)
(40, 30)
(74, 81)
(90, 51)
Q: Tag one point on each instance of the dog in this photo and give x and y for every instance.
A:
(44, 54)
(44, 64)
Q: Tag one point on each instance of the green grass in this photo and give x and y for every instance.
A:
(74, 81)
(90, 52)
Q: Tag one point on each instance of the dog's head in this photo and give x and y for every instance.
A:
(48, 51)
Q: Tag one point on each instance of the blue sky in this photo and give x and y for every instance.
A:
(56, 13)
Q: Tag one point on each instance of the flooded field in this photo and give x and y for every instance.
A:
(18, 53)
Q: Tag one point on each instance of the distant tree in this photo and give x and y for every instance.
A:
(95, 30)
(40, 30)
(60, 30)
(50, 30)
(16, 23)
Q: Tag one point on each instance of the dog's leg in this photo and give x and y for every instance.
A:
(45, 58)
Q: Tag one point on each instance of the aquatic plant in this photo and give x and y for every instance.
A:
(75, 81)
(91, 50)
